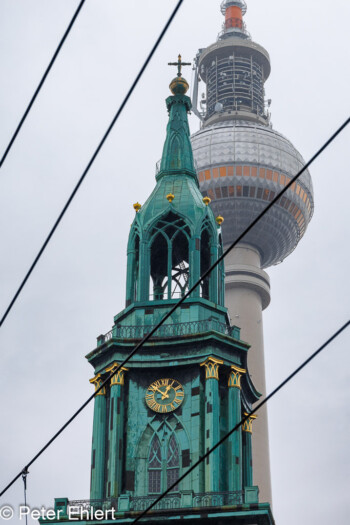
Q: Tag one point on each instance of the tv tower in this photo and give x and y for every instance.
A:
(242, 163)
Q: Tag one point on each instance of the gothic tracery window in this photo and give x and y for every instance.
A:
(173, 462)
(163, 463)
(155, 466)
(169, 258)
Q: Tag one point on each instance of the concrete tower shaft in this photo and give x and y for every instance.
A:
(242, 164)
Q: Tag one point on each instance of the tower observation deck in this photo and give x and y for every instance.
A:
(242, 163)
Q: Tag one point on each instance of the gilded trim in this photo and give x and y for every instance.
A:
(235, 376)
(248, 424)
(118, 378)
(212, 367)
(97, 381)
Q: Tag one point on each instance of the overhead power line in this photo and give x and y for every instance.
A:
(257, 219)
(104, 138)
(41, 83)
(171, 311)
(244, 419)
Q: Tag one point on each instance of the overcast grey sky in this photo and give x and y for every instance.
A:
(79, 285)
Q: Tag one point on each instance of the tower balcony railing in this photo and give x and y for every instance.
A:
(226, 3)
(171, 502)
(169, 330)
(143, 502)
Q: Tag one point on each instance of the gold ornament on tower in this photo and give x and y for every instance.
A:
(206, 200)
(179, 85)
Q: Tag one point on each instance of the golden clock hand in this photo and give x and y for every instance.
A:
(166, 391)
(158, 390)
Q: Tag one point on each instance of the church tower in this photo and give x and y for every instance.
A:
(189, 385)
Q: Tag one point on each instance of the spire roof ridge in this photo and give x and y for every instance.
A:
(177, 157)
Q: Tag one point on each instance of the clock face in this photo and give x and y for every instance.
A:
(164, 395)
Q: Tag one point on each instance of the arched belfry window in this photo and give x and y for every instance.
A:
(205, 259)
(169, 258)
(136, 265)
(133, 281)
(221, 274)
(159, 266)
(180, 265)
(163, 462)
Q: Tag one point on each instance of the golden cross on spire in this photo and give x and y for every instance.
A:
(179, 65)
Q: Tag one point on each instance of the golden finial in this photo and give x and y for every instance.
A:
(206, 200)
(170, 197)
(137, 206)
(219, 220)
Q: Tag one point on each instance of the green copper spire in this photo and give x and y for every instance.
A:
(177, 155)
(186, 386)
(174, 236)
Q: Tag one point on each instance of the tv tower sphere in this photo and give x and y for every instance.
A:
(242, 163)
